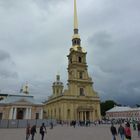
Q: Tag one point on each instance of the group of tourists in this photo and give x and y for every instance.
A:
(31, 131)
(124, 131)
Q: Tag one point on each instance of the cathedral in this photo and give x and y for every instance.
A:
(79, 101)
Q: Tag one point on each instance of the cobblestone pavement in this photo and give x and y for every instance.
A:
(101, 132)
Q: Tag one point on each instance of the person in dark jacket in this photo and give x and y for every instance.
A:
(28, 131)
(33, 131)
(42, 131)
(113, 132)
(138, 128)
(121, 132)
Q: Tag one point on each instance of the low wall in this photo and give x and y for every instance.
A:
(23, 123)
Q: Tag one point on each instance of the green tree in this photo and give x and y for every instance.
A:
(108, 104)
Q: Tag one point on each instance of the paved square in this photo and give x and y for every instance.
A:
(100, 132)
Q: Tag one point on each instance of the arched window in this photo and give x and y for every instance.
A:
(78, 42)
(82, 92)
(81, 75)
(79, 59)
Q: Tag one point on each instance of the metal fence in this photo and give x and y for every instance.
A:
(23, 123)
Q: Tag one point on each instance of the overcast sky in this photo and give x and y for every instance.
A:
(35, 38)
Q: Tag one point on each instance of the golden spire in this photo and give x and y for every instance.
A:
(76, 38)
(75, 16)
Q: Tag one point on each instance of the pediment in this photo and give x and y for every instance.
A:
(23, 102)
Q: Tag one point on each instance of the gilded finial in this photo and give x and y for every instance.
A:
(58, 76)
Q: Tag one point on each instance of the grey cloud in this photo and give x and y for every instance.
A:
(7, 73)
(6, 66)
(101, 39)
(4, 55)
(116, 68)
(36, 34)
(116, 63)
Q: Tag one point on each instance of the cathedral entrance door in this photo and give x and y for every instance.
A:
(84, 113)
(20, 113)
(87, 115)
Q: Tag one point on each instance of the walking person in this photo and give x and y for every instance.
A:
(127, 131)
(134, 125)
(43, 130)
(113, 132)
(28, 131)
(33, 131)
(51, 125)
(121, 132)
(138, 128)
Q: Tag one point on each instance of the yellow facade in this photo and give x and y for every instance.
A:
(79, 101)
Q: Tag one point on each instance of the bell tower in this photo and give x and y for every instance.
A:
(57, 86)
(79, 101)
(79, 82)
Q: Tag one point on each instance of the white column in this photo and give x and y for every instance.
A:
(27, 113)
(11, 113)
(85, 115)
(82, 115)
(41, 114)
(15, 113)
(90, 116)
(30, 112)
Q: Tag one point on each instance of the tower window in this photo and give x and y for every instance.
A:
(79, 59)
(70, 60)
(78, 42)
(74, 42)
(81, 75)
(82, 92)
